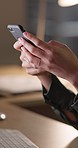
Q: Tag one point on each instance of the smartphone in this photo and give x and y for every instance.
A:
(17, 32)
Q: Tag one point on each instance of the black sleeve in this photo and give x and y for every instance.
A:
(59, 97)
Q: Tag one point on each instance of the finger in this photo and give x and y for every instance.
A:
(23, 57)
(39, 43)
(32, 59)
(26, 64)
(17, 45)
(32, 49)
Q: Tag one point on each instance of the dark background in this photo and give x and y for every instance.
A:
(53, 22)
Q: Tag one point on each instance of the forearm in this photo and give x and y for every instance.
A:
(61, 99)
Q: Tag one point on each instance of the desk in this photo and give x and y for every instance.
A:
(43, 131)
(13, 79)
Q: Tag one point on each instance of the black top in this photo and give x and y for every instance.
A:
(60, 98)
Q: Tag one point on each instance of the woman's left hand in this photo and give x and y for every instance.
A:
(27, 63)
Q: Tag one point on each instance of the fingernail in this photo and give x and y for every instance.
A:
(20, 39)
(25, 33)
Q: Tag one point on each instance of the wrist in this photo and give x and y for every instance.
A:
(75, 82)
(46, 79)
(73, 78)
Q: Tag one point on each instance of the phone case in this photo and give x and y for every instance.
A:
(16, 31)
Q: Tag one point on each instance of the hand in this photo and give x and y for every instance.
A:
(55, 57)
(42, 75)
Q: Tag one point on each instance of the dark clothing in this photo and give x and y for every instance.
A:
(60, 98)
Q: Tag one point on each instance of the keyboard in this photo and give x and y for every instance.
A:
(14, 139)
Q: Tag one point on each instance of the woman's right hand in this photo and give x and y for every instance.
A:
(54, 57)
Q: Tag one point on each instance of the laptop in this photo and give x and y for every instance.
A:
(14, 139)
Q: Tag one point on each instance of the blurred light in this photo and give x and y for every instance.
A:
(67, 3)
(2, 116)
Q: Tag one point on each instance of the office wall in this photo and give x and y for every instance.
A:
(62, 24)
(11, 12)
(25, 12)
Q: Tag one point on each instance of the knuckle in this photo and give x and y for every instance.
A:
(65, 45)
(50, 56)
(48, 52)
(52, 41)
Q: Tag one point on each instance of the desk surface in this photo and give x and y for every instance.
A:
(18, 77)
(43, 131)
